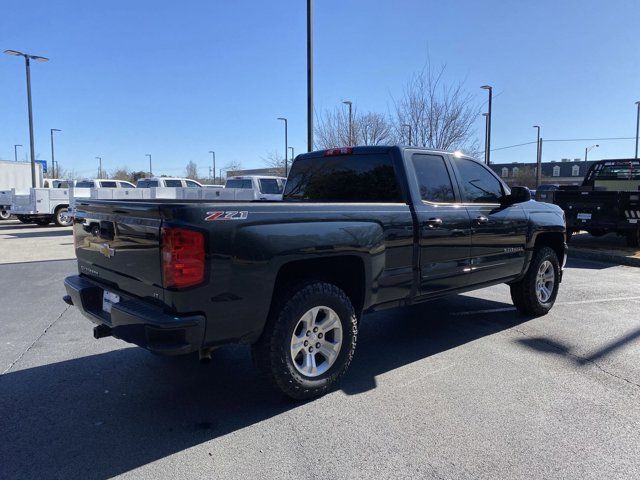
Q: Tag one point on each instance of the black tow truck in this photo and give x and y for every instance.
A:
(359, 229)
(607, 201)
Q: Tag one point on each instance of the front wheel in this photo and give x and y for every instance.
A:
(309, 341)
(62, 218)
(4, 215)
(536, 293)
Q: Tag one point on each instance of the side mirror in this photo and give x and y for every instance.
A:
(518, 195)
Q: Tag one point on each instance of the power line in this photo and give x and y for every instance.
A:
(513, 146)
(565, 140)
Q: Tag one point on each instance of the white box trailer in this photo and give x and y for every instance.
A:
(42, 206)
(15, 176)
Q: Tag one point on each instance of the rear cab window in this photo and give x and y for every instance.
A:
(271, 186)
(433, 178)
(357, 178)
(173, 183)
(108, 184)
(85, 184)
(239, 183)
(147, 183)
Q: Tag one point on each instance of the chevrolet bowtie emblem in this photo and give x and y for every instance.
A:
(106, 250)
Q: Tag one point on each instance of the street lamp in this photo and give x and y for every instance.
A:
(27, 62)
(213, 154)
(587, 150)
(150, 170)
(99, 166)
(349, 103)
(309, 75)
(286, 145)
(15, 151)
(293, 155)
(410, 131)
(487, 155)
(637, 127)
(538, 159)
(53, 160)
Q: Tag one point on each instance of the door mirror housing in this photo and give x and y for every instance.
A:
(517, 195)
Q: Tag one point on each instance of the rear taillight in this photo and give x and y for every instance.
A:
(332, 152)
(182, 257)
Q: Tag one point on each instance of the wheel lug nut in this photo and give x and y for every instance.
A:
(315, 329)
(319, 335)
(310, 349)
(308, 332)
(318, 345)
(306, 343)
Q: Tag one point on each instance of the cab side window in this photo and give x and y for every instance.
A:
(433, 178)
(477, 183)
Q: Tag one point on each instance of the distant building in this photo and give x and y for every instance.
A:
(278, 172)
(563, 172)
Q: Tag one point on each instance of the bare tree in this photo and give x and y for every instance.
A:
(371, 128)
(122, 173)
(441, 116)
(275, 163)
(232, 167)
(191, 170)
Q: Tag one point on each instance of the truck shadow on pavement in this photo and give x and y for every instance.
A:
(102, 415)
(37, 234)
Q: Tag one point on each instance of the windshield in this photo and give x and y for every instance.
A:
(238, 183)
(271, 186)
(85, 184)
(619, 171)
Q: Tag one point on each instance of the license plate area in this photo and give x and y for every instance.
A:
(584, 216)
(108, 300)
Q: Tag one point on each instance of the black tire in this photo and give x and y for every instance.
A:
(4, 215)
(272, 353)
(633, 238)
(62, 218)
(597, 232)
(43, 222)
(569, 235)
(524, 292)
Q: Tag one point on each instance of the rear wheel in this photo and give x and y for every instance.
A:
(309, 341)
(62, 218)
(4, 215)
(633, 238)
(536, 293)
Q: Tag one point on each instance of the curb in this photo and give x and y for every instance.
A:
(603, 256)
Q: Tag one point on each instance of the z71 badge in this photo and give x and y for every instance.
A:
(230, 215)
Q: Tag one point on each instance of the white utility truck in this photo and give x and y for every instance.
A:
(15, 176)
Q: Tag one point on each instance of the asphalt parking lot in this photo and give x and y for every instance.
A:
(461, 388)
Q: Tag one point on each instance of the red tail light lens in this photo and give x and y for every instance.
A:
(182, 257)
(332, 152)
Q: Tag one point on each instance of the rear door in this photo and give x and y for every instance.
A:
(444, 226)
(498, 234)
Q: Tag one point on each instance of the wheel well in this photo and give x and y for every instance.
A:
(554, 240)
(346, 272)
(59, 207)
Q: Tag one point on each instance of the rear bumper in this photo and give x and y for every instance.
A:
(136, 321)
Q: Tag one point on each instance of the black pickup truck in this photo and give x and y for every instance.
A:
(607, 201)
(359, 229)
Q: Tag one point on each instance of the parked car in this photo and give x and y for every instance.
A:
(265, 187)
(103, 183)
(608, 201)
(359, 229)
(159, 182)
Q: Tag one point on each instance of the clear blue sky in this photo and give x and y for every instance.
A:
(177, 79)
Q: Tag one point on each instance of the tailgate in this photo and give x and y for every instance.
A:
(118, 244)
(589, 207)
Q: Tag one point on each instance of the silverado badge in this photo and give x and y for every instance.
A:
(106, 250)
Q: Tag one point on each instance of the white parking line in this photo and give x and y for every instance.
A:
(577, 302)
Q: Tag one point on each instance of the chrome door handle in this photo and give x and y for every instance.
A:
(433, 222)
(481, 220)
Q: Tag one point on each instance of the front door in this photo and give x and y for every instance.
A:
(444, 227)
(498, 232)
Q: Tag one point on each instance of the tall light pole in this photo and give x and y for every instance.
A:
(213, 155)
(27, 62)
(587, 150)
(148, 155)
(99, 166)
(410, 131)
(53, 158)
(293, 155)
(349, 103)
(486, 126)
(487, 155)
(15, 151)
(309, 75)
(637, 127)
(286, 145)
(538, 158)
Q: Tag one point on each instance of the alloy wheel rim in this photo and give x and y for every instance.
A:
(316, 341)
(545, 281)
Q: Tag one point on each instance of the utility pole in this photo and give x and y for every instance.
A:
(410, 131)
(99, 167)
(15, 151)
(349, 103)
(538, 160)
(27, 62)
(309, 75)
(286, 145)
(213, 156)
(487, 156)
(53, 160)
(637, 127)
(150, 169)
